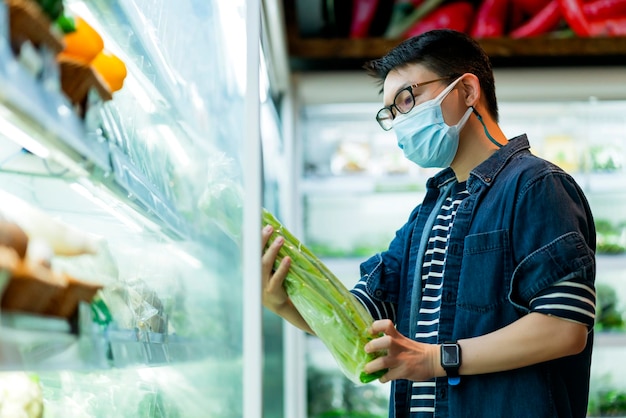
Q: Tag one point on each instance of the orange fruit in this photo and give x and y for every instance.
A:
(84, 43)
(111, 69)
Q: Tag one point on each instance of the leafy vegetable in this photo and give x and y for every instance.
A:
(52, 8)
(333, 313)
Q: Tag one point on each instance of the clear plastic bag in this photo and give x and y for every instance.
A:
(340, 321)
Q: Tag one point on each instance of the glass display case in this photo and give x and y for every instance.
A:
(153, 184)
(356, 191)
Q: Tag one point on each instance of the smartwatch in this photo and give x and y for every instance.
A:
(451, 361)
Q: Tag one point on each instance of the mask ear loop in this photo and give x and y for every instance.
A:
(480, 119)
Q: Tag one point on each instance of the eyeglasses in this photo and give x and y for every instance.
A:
(403, 102)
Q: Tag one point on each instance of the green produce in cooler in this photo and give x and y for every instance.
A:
(340, 321)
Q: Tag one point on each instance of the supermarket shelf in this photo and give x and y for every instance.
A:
(370, 183)
(31, 342)
(136, 186)
(331, 53)
(43, 123)
(137, 347)
(34, 342)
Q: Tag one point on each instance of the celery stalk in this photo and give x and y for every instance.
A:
(338, 319)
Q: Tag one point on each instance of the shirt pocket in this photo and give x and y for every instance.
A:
(484, 281)
(379, 279)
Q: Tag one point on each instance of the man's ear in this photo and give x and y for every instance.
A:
(470, 89)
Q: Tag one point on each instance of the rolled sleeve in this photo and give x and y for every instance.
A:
(554, 236)
(566, 258)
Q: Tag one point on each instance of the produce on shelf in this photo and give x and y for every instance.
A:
(29, 239)
(363, 12)
(573, 14)
(53, 8)
(12, 236)
(110, 68)
(606, 158)
(604, 9)
(340, 321)
(85, 63)
(608, 402)
(609, 314)
(546, 20)
(221, 199)
(399, 13)
(63, 239)
(398, 28)
(84, 43)
(494, 18)
(135, 305)
(490, 20)
(29, 23)
(611, 237)
(20, 395)
(36, 288)
(457, 15)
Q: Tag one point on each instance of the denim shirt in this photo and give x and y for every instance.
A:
(525, 226)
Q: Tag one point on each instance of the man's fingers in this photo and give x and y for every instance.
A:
(269, 256)
(383, 325)
(376, 365)
(266, 232)
(280, 274)
(378, 344)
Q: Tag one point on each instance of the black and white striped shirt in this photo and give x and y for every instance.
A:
(423, 393)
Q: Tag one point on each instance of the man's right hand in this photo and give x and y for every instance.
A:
(274, 296)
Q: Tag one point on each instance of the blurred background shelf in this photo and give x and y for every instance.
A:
(309, 54)
(350, 54)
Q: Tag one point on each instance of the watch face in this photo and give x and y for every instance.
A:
(450, 355)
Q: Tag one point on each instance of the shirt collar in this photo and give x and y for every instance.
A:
(486, 171)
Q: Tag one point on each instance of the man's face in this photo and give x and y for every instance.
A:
(452, 107)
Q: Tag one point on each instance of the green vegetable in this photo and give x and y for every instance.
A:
(67, 24)
(340, 321)
(52, 8)
(401, 25)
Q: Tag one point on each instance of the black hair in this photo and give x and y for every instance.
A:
(445, 52)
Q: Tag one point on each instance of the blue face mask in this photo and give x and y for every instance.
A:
(423, 135)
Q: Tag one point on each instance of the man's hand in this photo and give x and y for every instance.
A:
(274, 296)
(405, 359)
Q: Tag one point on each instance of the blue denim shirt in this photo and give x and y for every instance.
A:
(525, 226)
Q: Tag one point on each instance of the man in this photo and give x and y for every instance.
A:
(485, 297)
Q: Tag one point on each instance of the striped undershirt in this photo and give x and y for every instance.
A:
(571, 300)
(423, 393)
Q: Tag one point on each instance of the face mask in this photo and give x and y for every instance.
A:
(423, 135)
